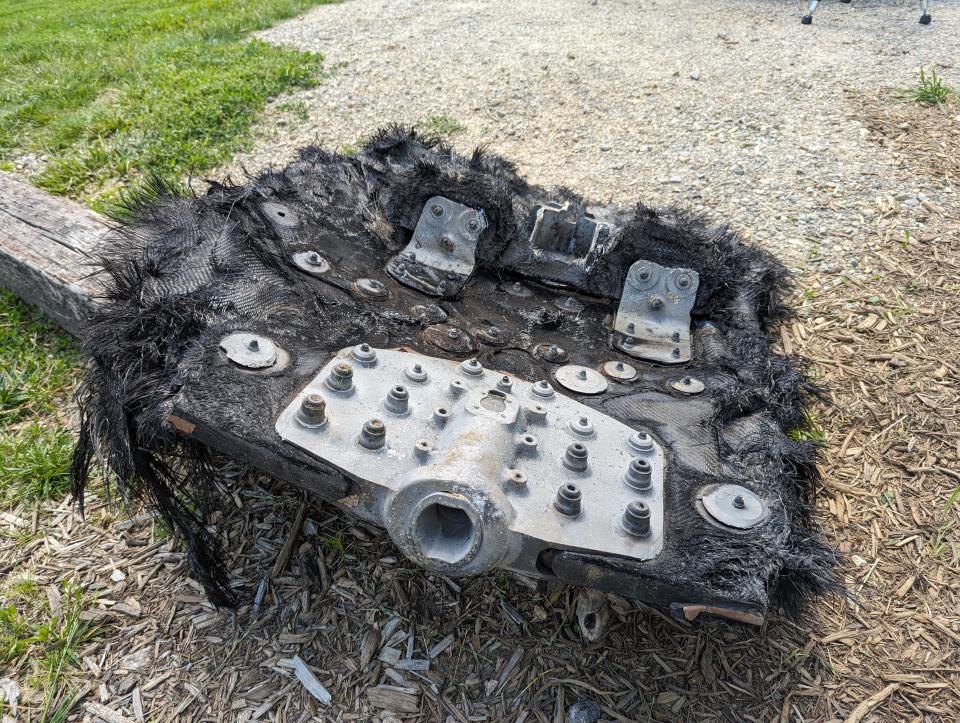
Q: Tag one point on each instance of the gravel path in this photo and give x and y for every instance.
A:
(732, 108)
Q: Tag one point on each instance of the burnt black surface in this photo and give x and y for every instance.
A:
(187, 271)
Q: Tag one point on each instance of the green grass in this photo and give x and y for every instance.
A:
(930, 89)
(28, 627)
(110, 90)
(38, 369)
(442, 126)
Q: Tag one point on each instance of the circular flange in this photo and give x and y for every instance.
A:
(569, 304)
(370, 288)
(364, 353)
(430, 313)
(249, 350)
(619, 370)
(583, 380)
(515, 288)
(551, 353)
(311, 262)
(644, 277)
(492, 334)
(688, 385)
(450, 338)
(733, 506)
(416, 373)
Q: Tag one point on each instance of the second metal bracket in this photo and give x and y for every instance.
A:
(653, 321)
(441, 255)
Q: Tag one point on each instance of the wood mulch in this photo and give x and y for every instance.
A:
(334, 609)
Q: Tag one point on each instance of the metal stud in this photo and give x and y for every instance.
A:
(416, 373)
(641, 442)
(364, 353)
(543, 389)
(582, 426)
(472, 367)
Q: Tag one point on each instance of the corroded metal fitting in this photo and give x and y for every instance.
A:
(568, 499)
(373, 435)
(313, 411)
(341, 377)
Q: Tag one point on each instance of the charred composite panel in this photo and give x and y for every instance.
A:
(313, 321)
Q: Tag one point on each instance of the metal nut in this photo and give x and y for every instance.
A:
(373, 435)
(575, 458)
(636, 519)
(568, 500)
(341, 377)
(313, 411)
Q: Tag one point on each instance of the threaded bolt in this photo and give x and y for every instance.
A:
(373, 435)
(656, 303)
(568, 500)
(739, 502)
(253, 345)
(636, 519)
(675, 337)
(575, 457)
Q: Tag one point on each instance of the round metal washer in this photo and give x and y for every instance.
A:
(450, 338)
(430, 313)
(734, 506)
(619, 370)
(515, 288)
(688, 385)
(551, 353)
(249, 350)
(583, 380)
(370, 288)
(492, 334)
(311, 262)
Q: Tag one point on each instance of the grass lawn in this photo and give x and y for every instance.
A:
(101, 92)
(108, 89)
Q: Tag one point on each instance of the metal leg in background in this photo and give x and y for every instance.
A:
(924, 12)
(808, 18)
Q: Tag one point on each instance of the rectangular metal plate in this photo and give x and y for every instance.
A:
(505, 417)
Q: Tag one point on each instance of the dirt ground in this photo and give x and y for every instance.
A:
(853, 185)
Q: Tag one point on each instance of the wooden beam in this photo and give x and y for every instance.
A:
(48, 248)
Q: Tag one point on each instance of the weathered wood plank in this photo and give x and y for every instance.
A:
(48, 246)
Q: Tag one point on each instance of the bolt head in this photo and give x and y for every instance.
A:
(254, 345)
(437, 210)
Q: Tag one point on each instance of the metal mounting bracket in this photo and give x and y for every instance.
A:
(653, 321)
(553, 231)
(442, 253)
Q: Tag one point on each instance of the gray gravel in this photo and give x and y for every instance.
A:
(731, 108)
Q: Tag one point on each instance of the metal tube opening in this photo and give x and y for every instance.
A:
(444, 533)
